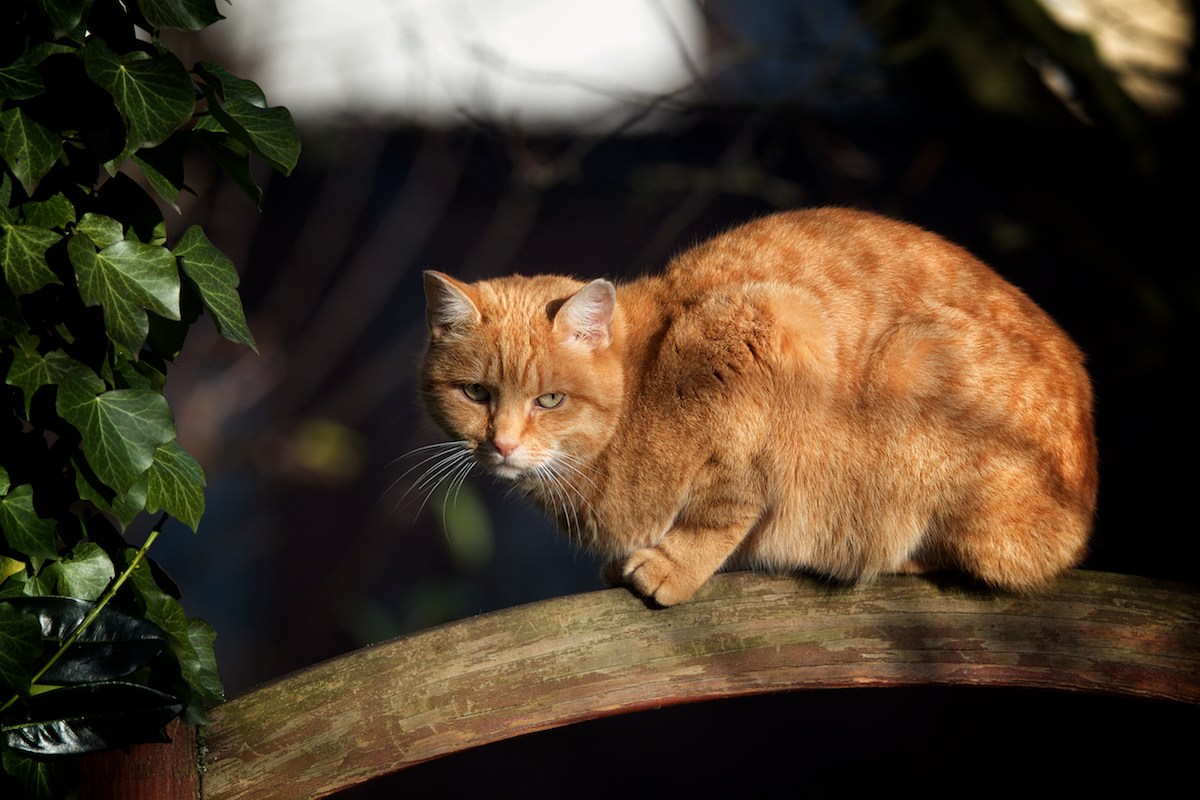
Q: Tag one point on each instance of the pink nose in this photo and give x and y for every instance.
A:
(505, 447)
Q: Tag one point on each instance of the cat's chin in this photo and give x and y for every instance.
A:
(507, 472)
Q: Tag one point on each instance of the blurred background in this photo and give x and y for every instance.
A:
(1056, 139)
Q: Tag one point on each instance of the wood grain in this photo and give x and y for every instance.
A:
(529, 668)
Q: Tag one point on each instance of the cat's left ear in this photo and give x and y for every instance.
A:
(586, 318)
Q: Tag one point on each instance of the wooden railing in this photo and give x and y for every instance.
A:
(389, 706)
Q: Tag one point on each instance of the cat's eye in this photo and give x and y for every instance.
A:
(476, 392)
(551, 400)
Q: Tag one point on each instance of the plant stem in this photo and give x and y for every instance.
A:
(100, 604)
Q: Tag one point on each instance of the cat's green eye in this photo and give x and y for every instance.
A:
(551, 400)
(476, 392)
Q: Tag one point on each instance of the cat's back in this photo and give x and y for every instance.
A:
(855, 311)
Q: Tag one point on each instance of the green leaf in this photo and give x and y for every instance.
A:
(11, 321)
(203, 638)
(241, 108)
(64, 14)
(57, 212)
(176, 485)
(20, 646)
(181, 15)
(125, 279)
(29, 148)
(153, 93)
(24, 530)
(216, 279)
(231, 155)
(6, 214)
(165, 611)
(20, 81)
(91, 718)
(112, 646)
(121, 429)
(125, 507)
(163, 167)
(40, 778)
(87, 571)
(23, 253)
(31, 370)
(102, 230)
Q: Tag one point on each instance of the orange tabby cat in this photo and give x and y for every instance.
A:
(824, 390)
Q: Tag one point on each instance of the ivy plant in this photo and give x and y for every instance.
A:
(96, 114)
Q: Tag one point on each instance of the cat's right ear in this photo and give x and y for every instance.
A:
(447, 305)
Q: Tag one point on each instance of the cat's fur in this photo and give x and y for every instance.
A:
(825, 390)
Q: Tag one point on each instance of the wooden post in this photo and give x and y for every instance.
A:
(148, 771)
(492, 677)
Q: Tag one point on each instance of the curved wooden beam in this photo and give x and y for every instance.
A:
(529, 668)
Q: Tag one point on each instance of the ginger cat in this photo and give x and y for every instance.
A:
(825, 390)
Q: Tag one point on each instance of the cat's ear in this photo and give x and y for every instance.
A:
(586, 317)
(447, 304)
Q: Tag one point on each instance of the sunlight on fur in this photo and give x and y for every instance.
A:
(822, 390)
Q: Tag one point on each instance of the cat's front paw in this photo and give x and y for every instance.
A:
(653, 575)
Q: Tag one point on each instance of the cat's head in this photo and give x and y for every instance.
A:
(525, 371)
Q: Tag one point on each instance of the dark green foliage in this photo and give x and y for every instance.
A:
(95, 302)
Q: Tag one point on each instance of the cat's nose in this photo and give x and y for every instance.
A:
(505, 447)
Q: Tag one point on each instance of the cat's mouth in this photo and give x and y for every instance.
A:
(509, 469)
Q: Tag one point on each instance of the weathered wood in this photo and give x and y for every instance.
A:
(524, 669)
(147, 771)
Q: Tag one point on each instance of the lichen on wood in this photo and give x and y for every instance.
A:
(555, 662)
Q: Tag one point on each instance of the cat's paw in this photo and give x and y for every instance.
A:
(656, 577)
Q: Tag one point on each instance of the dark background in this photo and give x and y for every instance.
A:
(934, 111)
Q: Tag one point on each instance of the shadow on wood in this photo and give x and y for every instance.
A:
(390, 706)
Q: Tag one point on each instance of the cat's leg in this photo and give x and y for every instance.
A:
(671, 571)
(1018, 535)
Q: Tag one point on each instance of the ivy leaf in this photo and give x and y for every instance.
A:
(92, 718)
(203, 638)
(126, 278)
(166, 612)
(42, 778)
(112, 646)
(23, 253)
(102, 230)
(87, 571)
(57, 212)
(31, 370)
(64, 14)
(176, 485)
(163, 167)
(231, 155)
(153, 93)
(121, 428)
(11, 321)
(125, 507)
(241, 108)
(20, 645)
(180, 15)
(24, 530)
(29, 148)
(216, 279)
(20, 81)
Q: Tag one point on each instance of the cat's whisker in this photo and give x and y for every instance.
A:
(441, 447)
(452, 461)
